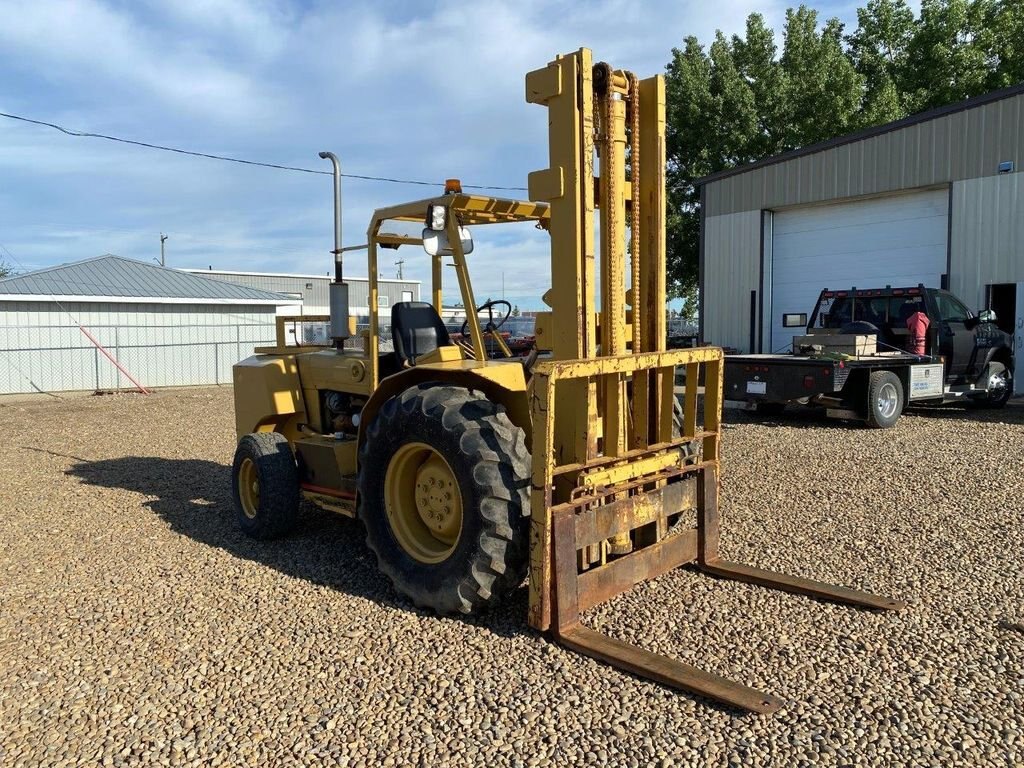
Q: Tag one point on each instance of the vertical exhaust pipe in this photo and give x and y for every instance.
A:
(338, 289)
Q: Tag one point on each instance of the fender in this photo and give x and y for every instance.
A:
(1001, 354)
(503, 383)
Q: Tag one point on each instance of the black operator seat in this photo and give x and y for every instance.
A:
(416, 329)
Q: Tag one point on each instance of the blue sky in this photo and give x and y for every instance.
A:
(410, 90)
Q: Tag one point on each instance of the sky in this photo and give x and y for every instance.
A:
(419, 90)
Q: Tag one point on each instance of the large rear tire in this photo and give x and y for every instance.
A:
(444, 480)
(885, 399)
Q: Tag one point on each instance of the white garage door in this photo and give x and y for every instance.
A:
(898, 241)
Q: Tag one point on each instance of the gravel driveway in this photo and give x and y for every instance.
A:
(137, 626)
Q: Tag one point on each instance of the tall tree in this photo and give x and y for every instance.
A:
(1006, 21)
(823, 90)
(737, 103)
(741, 100)
(756, 61)
(713, 113)
(950, 55)
(879, 50)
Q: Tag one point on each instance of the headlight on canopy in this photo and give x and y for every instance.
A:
(436, 215)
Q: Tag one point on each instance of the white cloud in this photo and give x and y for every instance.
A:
(410, 90)
(94, 47)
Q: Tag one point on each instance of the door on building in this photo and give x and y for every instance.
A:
(1018, 338)
(1007, 301)
(898, 240)
(1002, 299)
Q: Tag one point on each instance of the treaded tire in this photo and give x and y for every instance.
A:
(879, 384)
(274, 464)
(487, 454)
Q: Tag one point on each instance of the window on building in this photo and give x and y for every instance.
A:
(406, 295)
(795, 320)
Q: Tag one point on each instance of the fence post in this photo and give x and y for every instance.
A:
(216, 363)
(117, 354)
(96, 366)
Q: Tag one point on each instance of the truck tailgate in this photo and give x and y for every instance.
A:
(779, 378)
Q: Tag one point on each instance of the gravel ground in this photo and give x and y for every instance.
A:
(138, 626)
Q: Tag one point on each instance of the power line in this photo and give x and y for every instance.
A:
(225, 158)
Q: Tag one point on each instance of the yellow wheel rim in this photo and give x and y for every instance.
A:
(249, 488)
(423, 502)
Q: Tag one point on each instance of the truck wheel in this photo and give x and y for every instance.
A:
(1000, 387)
(265, 483)
(444, 478)
(885, 399)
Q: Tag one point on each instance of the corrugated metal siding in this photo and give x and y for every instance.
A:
(987, 245)
(315, 299)
(963, 145)
(732, 265)
(41, 347)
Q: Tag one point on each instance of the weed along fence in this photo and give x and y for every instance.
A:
(157, 349)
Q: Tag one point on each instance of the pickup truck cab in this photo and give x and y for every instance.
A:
(858, 360)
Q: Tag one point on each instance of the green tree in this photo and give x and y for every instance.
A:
(737, 102)
(741, 99)
(823, 91)
(691, 306)
(6, 270)
(756, 61)
(879, 50)
(713, 113)
(1006, 20)
(950, 57)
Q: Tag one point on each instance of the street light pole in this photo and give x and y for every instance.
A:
(163, 238)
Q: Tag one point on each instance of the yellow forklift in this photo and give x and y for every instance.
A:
(470, 473)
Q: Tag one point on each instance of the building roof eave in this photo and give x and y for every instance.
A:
(867, 133)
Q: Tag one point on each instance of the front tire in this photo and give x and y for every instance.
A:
(444, 478)
(265, 485)
(1000, 387)
(885, 399)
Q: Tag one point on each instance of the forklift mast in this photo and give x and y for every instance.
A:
(622, 492)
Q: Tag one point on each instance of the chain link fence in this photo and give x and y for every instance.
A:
(60, 358)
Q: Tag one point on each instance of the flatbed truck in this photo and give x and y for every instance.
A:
(857, 361)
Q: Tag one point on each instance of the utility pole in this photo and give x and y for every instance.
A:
(163, 238)
(399, 264)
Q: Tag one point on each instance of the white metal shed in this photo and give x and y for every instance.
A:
(164, 327)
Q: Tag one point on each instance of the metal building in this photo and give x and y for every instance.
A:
(312, 290)
(61, 328)
(937, 198)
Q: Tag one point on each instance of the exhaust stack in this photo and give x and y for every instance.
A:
(338, 289)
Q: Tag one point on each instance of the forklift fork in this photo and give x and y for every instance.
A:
(639, 495)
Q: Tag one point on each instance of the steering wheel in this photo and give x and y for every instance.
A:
(491, 326)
